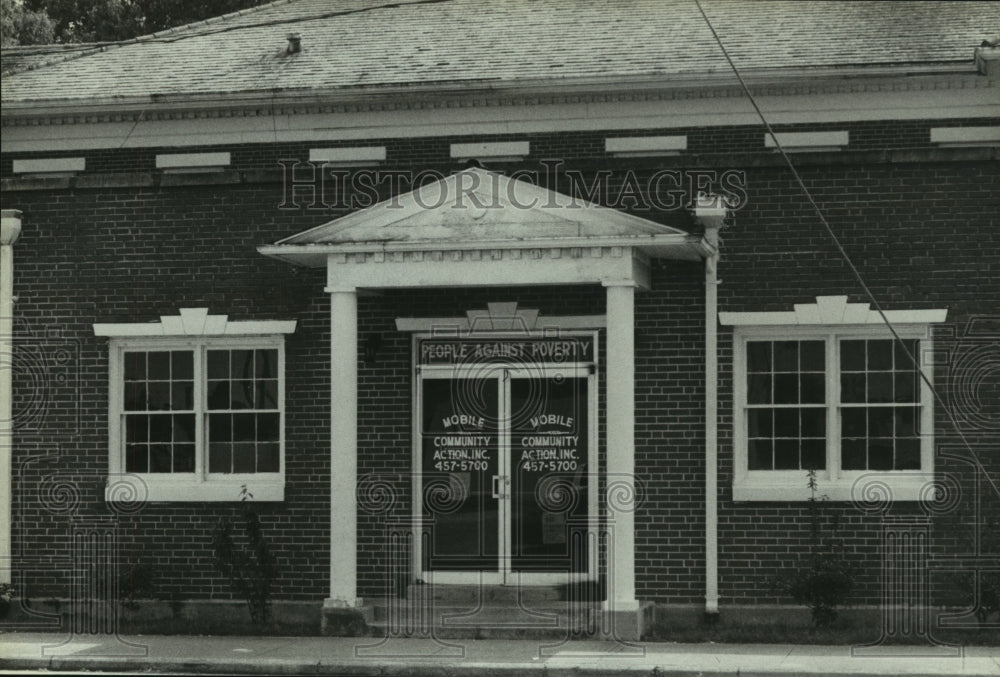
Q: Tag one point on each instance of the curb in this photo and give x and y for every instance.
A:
(265, 666)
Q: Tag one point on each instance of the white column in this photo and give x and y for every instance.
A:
(10, 230)
(621, 444)
(343, 448)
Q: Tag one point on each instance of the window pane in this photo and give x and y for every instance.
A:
(160, 428)
(265, 364)
(812, 388)
(218, 395)
(879, 454)
(220, 427)
(135, 366)
(786, 356)
(901, 359)
(218, 364)
(786, 455)
(907, 421)
(183, 458)
(879, 355)
(220, 457)
(908, 454)
(813, 423)
(136, 428)
(759, 389)
(267, 394)
(812, 356)
(244, 428)
(853, 454)
(852, 387)
(760, 455)
(759, 356)
(244, 457)
(880, 422)
(759, 423)
(854, 423)
(786, 422)
(852, 356)
(906, 387)
(184, 428)
(241, 364)
(137, 458)
(135, 397)
(242, 394)
(159, 366)
(267, 457)
(159, 458)
(879, 387)
(158, 396)
(182, 365)
(786, 389)
(182, 396)
(267, 427)
(813, 454)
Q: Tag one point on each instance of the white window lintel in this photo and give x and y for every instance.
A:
(196, 322)
(832, 310)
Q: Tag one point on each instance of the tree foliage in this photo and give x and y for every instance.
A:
(32, 22)
(22, 26)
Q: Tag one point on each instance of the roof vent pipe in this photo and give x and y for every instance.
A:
(294, 43)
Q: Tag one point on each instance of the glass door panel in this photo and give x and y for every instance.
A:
(460, 458)
(549, 431)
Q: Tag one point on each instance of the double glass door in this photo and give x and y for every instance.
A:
(505, 474)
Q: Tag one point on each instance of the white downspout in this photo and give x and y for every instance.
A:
(10, 230)
(711, 217)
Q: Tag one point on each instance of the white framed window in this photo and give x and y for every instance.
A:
(195, 416)
(841, 398)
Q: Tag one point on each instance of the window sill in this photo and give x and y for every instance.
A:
(130, 489)
(868, 489)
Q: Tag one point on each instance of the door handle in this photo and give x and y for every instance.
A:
(496, 487)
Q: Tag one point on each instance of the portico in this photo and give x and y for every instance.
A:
(480, 229)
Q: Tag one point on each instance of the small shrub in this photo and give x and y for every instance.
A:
(825, 579)
(249, 565)
(6, 593)
(136, 583)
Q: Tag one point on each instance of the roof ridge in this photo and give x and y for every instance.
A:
(98, 47)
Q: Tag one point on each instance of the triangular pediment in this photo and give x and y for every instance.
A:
(477, 206)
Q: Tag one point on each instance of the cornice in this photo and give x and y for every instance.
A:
(474, 95)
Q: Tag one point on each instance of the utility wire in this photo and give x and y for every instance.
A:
(843, 253)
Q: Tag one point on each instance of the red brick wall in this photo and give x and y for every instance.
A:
(923, 234)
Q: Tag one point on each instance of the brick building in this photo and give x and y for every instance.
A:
(433, 282)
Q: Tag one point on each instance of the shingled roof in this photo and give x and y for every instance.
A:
(437, 43)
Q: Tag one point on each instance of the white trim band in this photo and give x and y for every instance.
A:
(637, 146)
(808, 140)
(196, 322)
(354, 155)
(58, 165)
(192, 160)
(966, 136)
(495, 150)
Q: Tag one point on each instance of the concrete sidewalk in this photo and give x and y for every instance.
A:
(417, 657)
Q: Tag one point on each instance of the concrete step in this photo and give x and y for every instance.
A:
(541, 620)
(511, 595)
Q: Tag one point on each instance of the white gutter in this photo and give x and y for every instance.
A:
(711, 217)
(462, 90)
(10, 230)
